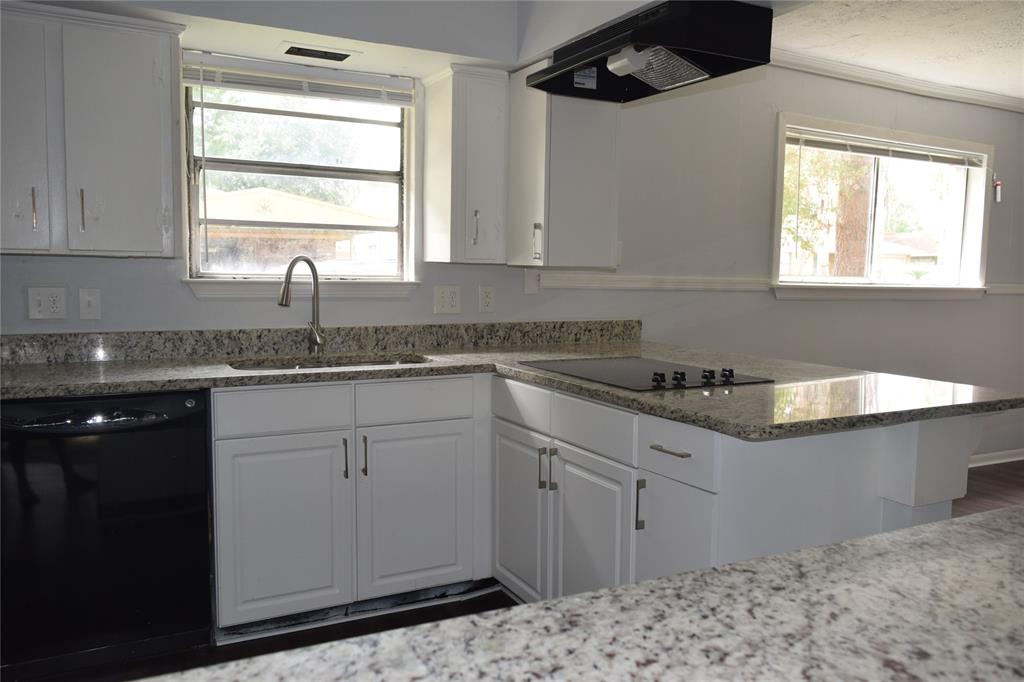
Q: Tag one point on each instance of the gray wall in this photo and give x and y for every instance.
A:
(697, 200)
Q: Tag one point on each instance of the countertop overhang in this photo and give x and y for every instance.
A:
(806, 399)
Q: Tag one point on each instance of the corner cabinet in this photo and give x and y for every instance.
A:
(466, 161)
(563, 178)
(90, 143)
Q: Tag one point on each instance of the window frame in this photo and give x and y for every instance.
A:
(974, 245)
(240, 285)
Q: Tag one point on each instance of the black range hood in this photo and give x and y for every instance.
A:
(661, 48)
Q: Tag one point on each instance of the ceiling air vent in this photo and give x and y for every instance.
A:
(314, 53)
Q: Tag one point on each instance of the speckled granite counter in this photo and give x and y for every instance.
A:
(944, 600)
(805, 399)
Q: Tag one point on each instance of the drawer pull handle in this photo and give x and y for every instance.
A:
(366, 457)
(540, 468)
(344, 446)
(476, 226)
(552, 483)
(641, 484)
(675, 453)
(35, 215)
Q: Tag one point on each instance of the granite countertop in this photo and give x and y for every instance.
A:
(805, 399)
(943, 600)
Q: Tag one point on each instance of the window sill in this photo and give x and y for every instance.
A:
(844, 292)
(269, 288)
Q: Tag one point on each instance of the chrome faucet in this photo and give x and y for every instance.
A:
(316, 332)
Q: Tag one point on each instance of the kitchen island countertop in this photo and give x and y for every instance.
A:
(805, 399)
(942, 600)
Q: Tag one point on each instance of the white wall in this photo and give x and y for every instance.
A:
(696, 200)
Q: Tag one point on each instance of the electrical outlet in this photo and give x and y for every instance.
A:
(447, 300)
(47, 303)
(89, 304)
(487, 299)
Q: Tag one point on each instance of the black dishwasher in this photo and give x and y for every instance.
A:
(105, 530)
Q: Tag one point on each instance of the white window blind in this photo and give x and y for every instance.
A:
(874, 147)
(201, 68)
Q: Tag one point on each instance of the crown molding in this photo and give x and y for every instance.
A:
(859, 74)
(69, 14)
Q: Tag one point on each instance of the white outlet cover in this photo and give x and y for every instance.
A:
(447, 300)
(487, 299)
(47, 303)
(89, 304)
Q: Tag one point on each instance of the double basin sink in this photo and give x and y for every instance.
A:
(327, 361)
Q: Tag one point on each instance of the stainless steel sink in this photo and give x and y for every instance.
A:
(327, 361)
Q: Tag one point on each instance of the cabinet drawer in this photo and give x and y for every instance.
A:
(414, 401)
(522, 404)
(265, 411)
(604, 430)
(699, 469)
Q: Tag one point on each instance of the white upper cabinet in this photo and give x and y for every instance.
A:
(466, 162)
(117, 113)
(95, 124)
(563, 178)
(25, 219)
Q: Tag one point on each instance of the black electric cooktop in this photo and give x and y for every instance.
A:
(645, 374)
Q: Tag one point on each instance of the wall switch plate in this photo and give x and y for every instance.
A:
(47, 303)
(447, 300)
(89, 304)
(487, 299)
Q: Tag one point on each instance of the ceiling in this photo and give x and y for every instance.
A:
(977, 45)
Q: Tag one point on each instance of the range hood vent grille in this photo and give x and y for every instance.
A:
(667, 46)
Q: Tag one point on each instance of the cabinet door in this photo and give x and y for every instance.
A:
(25, 217)
(118, 131)
(521, 536)
(284, 533)
(678, 527)
(528, 170)
(592, 514)
(485, 101)
(415, 506)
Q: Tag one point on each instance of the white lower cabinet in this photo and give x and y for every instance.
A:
(415, 496)
(563, 516)
(521, 538)
(678, 522)
(592, 502)
(285, 522)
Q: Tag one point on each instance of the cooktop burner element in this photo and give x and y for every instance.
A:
(645, 374)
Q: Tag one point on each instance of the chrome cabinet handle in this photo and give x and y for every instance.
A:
(81, 198)
(35, 216)
(476, 227)
(641, 484)
(344, 446)
(540, 468)
(538, 230)
(552, 484)
(366, 457)
(681, 454)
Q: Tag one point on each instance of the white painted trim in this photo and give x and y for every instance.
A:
(269, 288)
(984, 458)
(808, 292)
(554, 279)
(1004, 288)
(67, 14)
(883, 79)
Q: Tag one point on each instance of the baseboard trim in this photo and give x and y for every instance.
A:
(985, 458)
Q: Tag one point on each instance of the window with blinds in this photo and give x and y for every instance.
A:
(887, 210)
(282, 164)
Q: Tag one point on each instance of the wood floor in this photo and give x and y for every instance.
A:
(992, 487)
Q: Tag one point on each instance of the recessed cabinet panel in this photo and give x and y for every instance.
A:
(25, 221)
(414, 506)
(592, 521)
(520, 516)
(486, 167)
(117, 117)
(284, 525)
